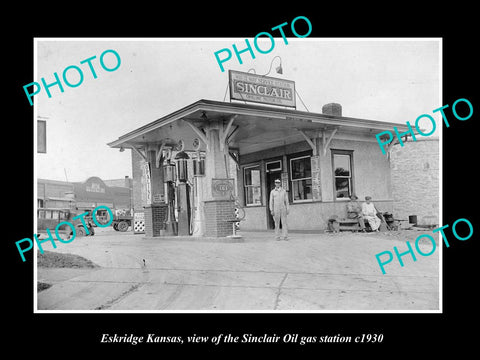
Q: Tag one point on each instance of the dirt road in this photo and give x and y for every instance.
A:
(309, 272)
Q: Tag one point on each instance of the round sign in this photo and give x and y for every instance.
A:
(180, 145)
(196, 144)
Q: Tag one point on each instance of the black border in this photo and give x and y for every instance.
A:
(409, 334)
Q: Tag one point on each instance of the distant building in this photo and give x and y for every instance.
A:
(54, 194)
(93, 192)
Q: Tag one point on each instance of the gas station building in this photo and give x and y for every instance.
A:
(193, 167)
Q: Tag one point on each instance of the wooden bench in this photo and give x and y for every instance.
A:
(336, 225)
(387, 223)
(348, 224)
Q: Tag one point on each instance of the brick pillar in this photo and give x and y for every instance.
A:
(156, 210)
(155, 217)
(217, 215)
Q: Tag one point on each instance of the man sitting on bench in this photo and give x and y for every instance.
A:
(354, 211)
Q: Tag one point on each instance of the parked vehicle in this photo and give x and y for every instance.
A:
(49, 218)
(122, 222)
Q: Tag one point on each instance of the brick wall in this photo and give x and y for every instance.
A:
(415, 180)
(155, 217)
(217, 213)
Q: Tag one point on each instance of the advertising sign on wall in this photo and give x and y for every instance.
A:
(146, 184)
(222, 188)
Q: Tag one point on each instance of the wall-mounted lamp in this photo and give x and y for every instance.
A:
(278, 69)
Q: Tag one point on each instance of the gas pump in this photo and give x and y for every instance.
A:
(183, 194)
(198, 175)
(169, 179)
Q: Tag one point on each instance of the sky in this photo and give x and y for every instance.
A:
(393, 80)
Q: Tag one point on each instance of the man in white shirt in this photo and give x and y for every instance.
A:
(278, 206)
(370, 213)
(354, 211)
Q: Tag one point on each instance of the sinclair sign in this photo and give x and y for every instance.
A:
(261, 89)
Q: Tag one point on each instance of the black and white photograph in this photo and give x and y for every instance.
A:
(263, 187)
(276, 182)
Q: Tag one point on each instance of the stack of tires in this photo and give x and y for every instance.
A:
(121, 225)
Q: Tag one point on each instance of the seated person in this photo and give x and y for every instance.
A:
(354, 211)
(370, 213)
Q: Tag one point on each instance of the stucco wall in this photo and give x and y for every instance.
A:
(371, 176)
(371, 170)
(306, 216)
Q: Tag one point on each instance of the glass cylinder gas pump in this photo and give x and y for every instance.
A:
(199, 164)
(169, 177)
(183, 193)
(198, 175)
(181, 160)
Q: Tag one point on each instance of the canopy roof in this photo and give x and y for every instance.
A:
(254, 128)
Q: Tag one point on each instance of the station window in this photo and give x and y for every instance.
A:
(253, 190)
(273, 166)
(301, 177)
(342, 174)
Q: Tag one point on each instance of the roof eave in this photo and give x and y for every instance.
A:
(259, 110)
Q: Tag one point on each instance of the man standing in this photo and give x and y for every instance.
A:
(278, 205)
(370, 213)
(354, 211)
